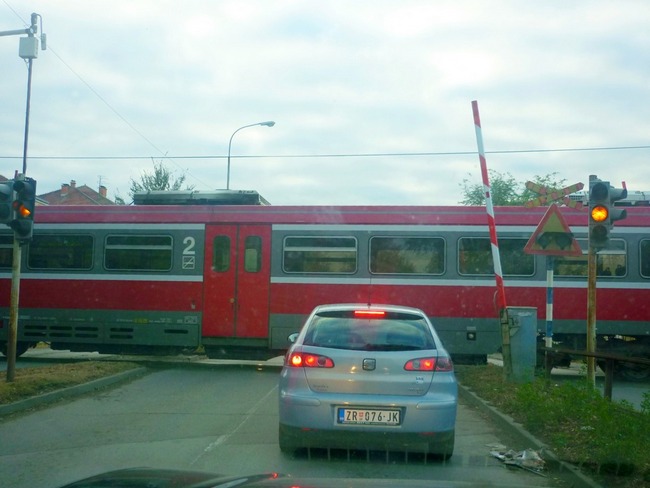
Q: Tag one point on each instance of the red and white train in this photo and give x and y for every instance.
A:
(238, 279)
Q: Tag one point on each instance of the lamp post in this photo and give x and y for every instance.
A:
(268, 123)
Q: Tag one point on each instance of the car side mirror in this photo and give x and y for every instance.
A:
(292, 337)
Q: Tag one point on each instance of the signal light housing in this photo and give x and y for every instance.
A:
(22, 219)
(6, 201)
(602, 213)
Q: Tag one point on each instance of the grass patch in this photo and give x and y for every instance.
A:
(30, 382)
(574, 420)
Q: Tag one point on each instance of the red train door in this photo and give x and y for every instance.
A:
(236, 281)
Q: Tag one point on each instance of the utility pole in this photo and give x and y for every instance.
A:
(28, 50)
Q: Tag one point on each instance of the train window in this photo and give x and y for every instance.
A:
(6, 251)
(138, 253)
(319, 254)
(221, 254)
(253, 254)
(644, 249)
(609, 262)
(475, 257)
(60, 251)
(407, 255)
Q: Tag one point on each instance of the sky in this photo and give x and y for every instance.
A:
(371, 99)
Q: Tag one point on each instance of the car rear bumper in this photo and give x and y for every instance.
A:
(438, 443)
(418, 414)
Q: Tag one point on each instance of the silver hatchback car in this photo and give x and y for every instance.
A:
(361, 376)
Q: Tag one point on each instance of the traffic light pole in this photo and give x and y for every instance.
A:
(12, 333)
(591, 315)
(602, 215)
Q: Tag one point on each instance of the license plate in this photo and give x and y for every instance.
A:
(368, 416)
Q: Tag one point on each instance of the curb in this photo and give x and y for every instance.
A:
(71, 391)
(507, 423)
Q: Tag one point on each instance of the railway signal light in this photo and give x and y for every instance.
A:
(6, 201)
(23, 209)
(602, 213)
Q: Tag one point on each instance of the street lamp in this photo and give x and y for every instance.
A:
(268, 123)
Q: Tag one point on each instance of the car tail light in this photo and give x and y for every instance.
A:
(429, 364)
(369, 314)
(307, 360)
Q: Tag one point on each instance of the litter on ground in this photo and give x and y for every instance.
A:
(528, 459)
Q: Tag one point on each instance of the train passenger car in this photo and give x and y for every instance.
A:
(237, 280)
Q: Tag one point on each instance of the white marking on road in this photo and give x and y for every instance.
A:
(224, 438)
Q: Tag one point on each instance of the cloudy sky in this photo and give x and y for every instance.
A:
(371, 99)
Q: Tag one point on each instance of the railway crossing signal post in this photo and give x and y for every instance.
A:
(602, 215)
(551, 238)
(21, 214)
(17, 198)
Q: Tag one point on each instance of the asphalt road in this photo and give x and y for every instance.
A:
(221, 419)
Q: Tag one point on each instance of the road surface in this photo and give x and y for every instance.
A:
(218, 419)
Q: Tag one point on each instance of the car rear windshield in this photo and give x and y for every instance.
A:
(394, 331)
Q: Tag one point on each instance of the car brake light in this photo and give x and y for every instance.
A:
(306, 360)
(369, 314)
(429, 364)
(444, 364)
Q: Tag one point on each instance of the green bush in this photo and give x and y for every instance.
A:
(576, 422)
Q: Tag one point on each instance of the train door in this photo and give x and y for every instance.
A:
(236, 282)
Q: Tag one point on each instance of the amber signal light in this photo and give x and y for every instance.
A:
(22, 210)
(599, 213)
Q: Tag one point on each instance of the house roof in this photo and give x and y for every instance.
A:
(71, 194)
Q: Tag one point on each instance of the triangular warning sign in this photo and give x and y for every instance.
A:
(553, 236)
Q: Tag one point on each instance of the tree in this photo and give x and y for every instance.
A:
(160, 179)
(505, 189)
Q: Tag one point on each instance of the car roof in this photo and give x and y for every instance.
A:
(366, 306)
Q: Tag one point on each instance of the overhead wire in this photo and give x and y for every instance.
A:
(164, 155)
(108, 105)
(348, 155)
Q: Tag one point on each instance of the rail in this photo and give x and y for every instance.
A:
(610, 361)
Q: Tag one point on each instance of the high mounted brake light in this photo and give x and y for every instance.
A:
(369, 314)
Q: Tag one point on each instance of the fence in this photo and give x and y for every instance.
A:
(610, 361)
